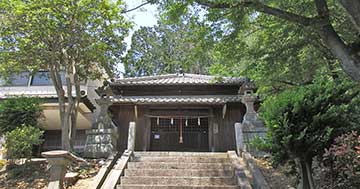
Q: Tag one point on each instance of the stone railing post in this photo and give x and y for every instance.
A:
(239, 136)
(131, 136)
(59, 160)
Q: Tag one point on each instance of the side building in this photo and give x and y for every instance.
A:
(40, 85)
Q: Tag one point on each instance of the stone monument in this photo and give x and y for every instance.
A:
(101, 140)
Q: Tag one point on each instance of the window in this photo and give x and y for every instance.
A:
(21, 79)
(43, 78)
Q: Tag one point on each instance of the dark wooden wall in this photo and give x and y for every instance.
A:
(225, 139)
(123, 115)
(222, 141)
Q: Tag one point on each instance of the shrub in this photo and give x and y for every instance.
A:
(342, 161)
(20, 141)
(302, 122)
(15, 112)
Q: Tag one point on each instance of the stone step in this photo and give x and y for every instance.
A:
(184, 159)
(180, 172)
(177, 165)
(181, 181)
(182, 154)
(131, 186)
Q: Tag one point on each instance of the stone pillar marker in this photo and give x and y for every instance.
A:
(131, 136)
(59, 160)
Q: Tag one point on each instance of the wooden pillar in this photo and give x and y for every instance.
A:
(211, 133)
(147, 134)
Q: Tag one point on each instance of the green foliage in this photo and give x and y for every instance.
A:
(19, 142)
(260, 144)
(62, 35)
(83, 38)
(18, 111)
(304, 121)
(167, 48)
(275, 53)
(342, 161)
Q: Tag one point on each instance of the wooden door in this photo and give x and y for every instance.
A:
(166, 133)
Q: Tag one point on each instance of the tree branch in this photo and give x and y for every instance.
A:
(322, 10)
(295, 84)
(261, 7)
(137, 7)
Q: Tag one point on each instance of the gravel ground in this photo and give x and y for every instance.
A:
(35, 175)
(278, 178)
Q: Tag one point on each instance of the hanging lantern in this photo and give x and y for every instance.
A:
(172, 121)
(158, 121)
(186, 122)
(199, 121)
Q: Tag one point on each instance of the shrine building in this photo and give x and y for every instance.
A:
(180, 112)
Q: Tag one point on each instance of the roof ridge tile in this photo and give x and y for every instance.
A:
(187, 78)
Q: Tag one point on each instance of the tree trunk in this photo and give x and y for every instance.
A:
(352, 8)
(65, 127)
(306, 180)
(350, 61)
(76, 102)
(66, 108)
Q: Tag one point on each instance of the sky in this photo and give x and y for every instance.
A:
(144, 16)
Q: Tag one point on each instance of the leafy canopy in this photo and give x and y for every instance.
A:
(83, 38)
(85, 35)
(275, 52)
(170, 47)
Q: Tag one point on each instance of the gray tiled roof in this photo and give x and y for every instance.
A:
(176, 79)
(31, 91)
(204, 99)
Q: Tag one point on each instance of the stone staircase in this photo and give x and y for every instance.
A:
(179, 170)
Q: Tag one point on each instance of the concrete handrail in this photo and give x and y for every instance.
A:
(259, 181)
(112, 179)
(239, 170)
(62, 154)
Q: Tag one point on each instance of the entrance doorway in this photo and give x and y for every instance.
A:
(179, 134)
